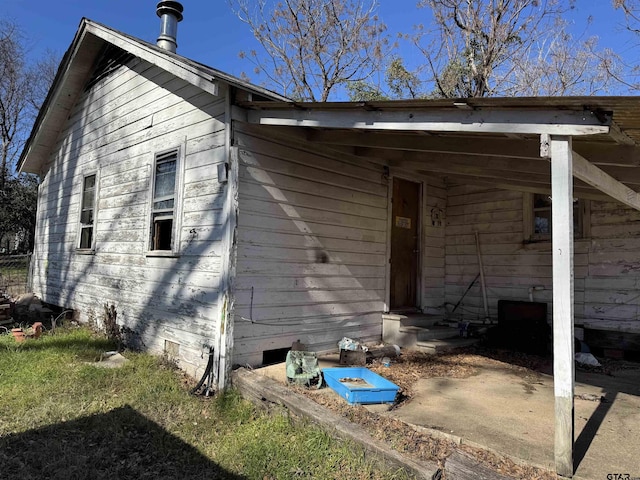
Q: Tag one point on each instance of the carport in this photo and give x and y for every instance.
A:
(563, 147)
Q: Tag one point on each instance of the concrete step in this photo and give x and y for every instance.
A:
(434, 332)
(411, 319)
(440, 346)
(403, 330)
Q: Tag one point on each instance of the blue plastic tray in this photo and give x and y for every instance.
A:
(360, 385)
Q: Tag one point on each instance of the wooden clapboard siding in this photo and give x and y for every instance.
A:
(510, 266)
(324, 338)
(611, 290)
(115, 129)
(606, 265)
(311, 258)
(433, 245)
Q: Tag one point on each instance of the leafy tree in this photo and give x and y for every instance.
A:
(362, 91)
(313, 47)
(402, 83)
(18, 216)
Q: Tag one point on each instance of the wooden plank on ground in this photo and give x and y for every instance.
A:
(258, 389)
(462, 466)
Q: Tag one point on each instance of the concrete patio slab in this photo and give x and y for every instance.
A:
(512, 413)
(515, 416)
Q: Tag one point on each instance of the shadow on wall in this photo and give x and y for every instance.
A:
(312, 248)
(176, 299)
(150, 294)
(119, 444)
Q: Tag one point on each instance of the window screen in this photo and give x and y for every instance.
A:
(87, 212)
(163, 208)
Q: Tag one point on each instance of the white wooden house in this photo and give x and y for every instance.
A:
(213, 213)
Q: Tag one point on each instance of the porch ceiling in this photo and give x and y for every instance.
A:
(501, 152)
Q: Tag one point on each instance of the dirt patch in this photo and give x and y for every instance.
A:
(399, 435)
(410, 367)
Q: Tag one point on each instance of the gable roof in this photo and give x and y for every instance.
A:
(76, 67)
(606, 129)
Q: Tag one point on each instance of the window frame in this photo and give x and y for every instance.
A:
(81, 207)
(584, 220)
(175, 216)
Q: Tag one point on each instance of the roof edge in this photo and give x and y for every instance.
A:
(53, 91)
(191, 71)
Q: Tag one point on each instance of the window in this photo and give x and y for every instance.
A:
(163, 206)
(538, 217)
(87, 213)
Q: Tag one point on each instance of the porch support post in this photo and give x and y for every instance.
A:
(563, 354)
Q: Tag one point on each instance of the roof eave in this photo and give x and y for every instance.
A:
(72, 74)
(31, 161)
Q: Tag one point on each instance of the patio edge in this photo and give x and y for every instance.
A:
(258, 389)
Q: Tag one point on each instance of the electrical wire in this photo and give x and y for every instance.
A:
(295, 323)
(206, 376)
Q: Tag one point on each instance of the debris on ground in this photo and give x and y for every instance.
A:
(412, 366)
(587, 359)
(23, 309)
(302, 368)
(352, 380)
(590, 397)
(350, 344)
(111, 359)
(6, 309)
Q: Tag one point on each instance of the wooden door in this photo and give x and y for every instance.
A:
(405, 244)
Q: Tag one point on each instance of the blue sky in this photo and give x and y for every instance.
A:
(210, 32)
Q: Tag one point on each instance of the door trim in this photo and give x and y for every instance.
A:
(421, 210)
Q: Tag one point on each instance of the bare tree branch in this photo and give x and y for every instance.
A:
(629, 76)
(470, 49)
(15, 90)
(312, 46)
(23, 88)
(564, 65)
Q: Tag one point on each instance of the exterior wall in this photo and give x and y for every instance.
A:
(433, 246)
(606, 265)
(611, 288)
(511, 266)
(312, 241)
(115, 130)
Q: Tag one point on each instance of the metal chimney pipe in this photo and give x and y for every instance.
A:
(170, 14)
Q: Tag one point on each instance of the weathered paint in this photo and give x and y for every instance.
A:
(115, 129)
(606, 264)
(311, 246)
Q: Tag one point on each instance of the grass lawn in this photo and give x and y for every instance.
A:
(62, 418)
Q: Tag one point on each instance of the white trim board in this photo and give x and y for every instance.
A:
(556, 122)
